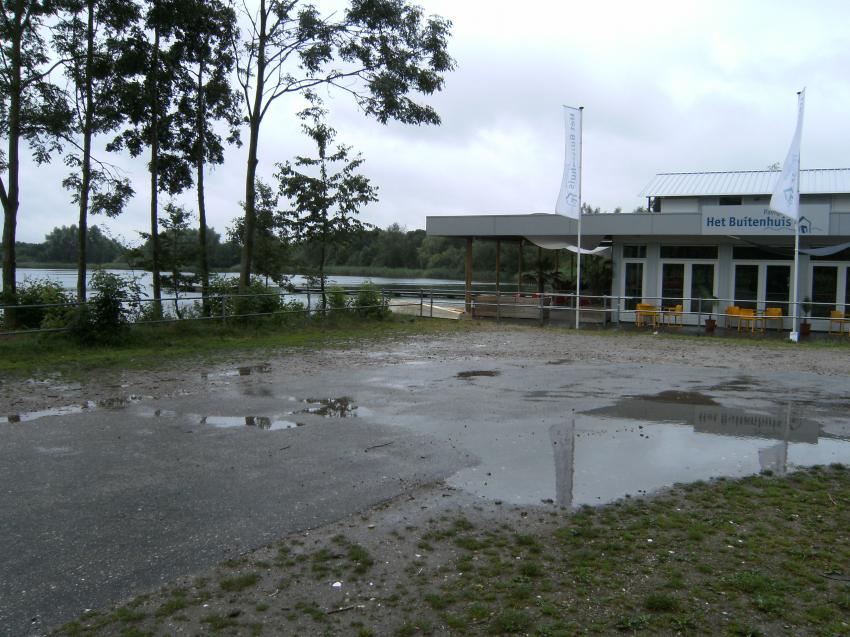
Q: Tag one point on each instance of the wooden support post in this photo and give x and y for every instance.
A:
(540, 285)
(468, 296)
(519, 270)
(498, 263)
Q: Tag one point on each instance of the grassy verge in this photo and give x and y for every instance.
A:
(764, 555)
(148, 346)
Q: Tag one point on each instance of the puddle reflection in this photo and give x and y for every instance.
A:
(260, 422)
(640, 446)
(322, 407)
(65, 410)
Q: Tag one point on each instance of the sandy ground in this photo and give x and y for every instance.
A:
(412, 387)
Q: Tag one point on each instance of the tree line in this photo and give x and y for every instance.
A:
(371, 251)
(176, 81)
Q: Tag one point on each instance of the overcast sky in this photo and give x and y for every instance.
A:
(667, 87)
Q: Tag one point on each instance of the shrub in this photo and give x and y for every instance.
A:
(226, 300)
(337, 299)
(369, 301)
(105, 318)
(43, 292)
(258, 299)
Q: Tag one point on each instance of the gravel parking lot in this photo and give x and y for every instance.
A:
(114, 483)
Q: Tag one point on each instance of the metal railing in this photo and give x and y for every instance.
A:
(434, 302)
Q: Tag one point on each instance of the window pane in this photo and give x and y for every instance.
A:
(729, 201)
(746, 285)
(702, 285)
(672, 283)
(824, 287)
(634, 284)
(762, 254)
(778, 287)
(688, 252)
(634, 252)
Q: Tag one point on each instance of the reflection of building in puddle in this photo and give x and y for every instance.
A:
(563, 438)
(723, 421)
(714, 419)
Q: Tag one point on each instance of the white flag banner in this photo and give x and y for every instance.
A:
(786, 194)
(569, 203)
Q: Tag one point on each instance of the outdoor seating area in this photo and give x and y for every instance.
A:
(649, 315)
(837, 322)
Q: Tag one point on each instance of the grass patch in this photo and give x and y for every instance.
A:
(152, 345)
(761, 555)
(239, 583)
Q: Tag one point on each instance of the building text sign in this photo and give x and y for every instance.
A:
(752, 220)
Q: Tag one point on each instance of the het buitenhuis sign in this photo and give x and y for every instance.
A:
(752, 220)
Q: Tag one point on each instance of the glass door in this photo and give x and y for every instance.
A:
(778, 287)
(672, 283)
(702, 286)
(746, 285)
(633, 290)
(824, 289)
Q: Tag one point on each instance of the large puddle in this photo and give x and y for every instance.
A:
(643, 444)
(343, 407)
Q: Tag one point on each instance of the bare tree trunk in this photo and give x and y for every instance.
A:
(251, 171)
(202, 207)
(85, 186)
(10, 196)
(322, 275)
(154, 168)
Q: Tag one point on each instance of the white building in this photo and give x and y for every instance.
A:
(706, 234)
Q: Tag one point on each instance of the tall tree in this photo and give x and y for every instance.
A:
(90, 36)
(207, 97)
(325, 202)
(378, 51)
(31, 109)
(148, 102)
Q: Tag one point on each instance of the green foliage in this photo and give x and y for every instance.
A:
(258, 301)
(370, 302)
(271, 256)
(105, 318)
(42, 292)
(337, 299)
(60, 246)
(326, 192)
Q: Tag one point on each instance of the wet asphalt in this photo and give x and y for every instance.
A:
(106, 503)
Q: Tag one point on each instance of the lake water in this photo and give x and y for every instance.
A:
(68, 280)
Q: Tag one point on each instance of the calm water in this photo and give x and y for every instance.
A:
(68, 279)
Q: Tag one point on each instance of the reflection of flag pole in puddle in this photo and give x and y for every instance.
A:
(775, 458)
(563, 436)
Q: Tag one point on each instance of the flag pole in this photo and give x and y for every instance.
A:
(578, 250)
(795, 335)
(786, 201)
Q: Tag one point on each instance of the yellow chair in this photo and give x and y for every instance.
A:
(772, 314)
(674, 315)
(747, 316)
(837, 316)
(732, 313)
(645, 311)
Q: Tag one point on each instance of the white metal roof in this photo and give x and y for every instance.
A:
(823, 181)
